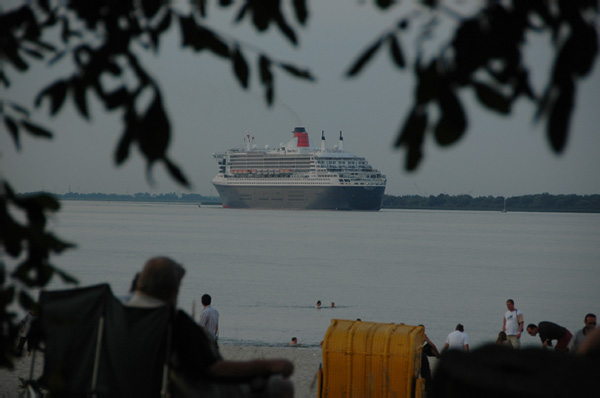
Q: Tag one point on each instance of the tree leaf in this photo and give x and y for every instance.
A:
(262, 16)
(207, 38)
(452, 123)
(44, 202)
(286, 29)
(66, 277)
(240, 67)
(33, 53)
(60, 55)
(154, 131)
(364, 58)
(151, 7)
(428, 81)
(492, 99)
(412, 136)
(297, 72)
(396, 52)
(560, 117)
(176, 173)
(13, 129)
(300, 10)
(36, 130)
(242, 12)
(189, 36)
(383, 4)
(79, 88)
(129, 135)
(57, 93)
(4, 79)
(164, 23)
(266, 78)
(25, 300)
(21, 109)
(117, 98)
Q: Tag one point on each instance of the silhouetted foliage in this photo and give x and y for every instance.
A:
(485, 54)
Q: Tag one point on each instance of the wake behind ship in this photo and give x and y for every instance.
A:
(297, 176)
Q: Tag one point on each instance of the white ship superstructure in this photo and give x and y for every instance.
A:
(298, 176)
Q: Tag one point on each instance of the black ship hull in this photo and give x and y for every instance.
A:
(304, 197)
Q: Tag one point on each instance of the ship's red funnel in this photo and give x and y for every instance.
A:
(302, 135)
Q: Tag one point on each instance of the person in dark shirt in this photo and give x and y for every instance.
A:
(197, 367)
(551, 331)
(429, 350)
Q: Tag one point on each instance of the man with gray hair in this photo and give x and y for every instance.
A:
(198, 368)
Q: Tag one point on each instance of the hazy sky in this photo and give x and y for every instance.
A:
(209, 112)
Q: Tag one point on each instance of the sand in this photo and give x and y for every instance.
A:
(306, 363)
(306, 366)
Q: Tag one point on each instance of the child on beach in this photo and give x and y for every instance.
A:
(502, 339)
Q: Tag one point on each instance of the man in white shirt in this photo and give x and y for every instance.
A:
(457, 340)
(209, 317)
(512, 324)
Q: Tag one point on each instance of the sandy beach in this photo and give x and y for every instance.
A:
(306, 365)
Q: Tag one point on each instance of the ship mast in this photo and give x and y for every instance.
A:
(322, 140)
(341, 147)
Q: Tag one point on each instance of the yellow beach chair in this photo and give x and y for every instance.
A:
(366, 359)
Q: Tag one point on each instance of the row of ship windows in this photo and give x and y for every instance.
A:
(324, 163)
(305, 184)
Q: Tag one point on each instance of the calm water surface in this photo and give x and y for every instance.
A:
(265, 269)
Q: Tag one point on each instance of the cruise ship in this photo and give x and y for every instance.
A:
(297, 175)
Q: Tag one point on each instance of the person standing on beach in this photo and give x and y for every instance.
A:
(590, 325)
(513, 324)
(24, 328)
(551, 331)
(209, 317)
(197, 367)
(429, 350)
(457, 340)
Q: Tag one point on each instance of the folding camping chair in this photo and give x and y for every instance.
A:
(96, 346)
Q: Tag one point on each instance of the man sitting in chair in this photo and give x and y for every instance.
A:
(197, 367)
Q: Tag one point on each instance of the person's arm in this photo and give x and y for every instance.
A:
(545, 336)
(466, 348)
(521, 324)
(445, 347)
(434, 349)
(257, 367)
(504, 324)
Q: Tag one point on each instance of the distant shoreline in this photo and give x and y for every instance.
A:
(527, 203)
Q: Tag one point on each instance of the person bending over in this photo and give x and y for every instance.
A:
(551, 331)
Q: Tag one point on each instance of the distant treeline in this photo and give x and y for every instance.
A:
(140, 197)
(540, 202)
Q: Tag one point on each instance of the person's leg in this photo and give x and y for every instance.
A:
(563, 344)
(21, 344)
